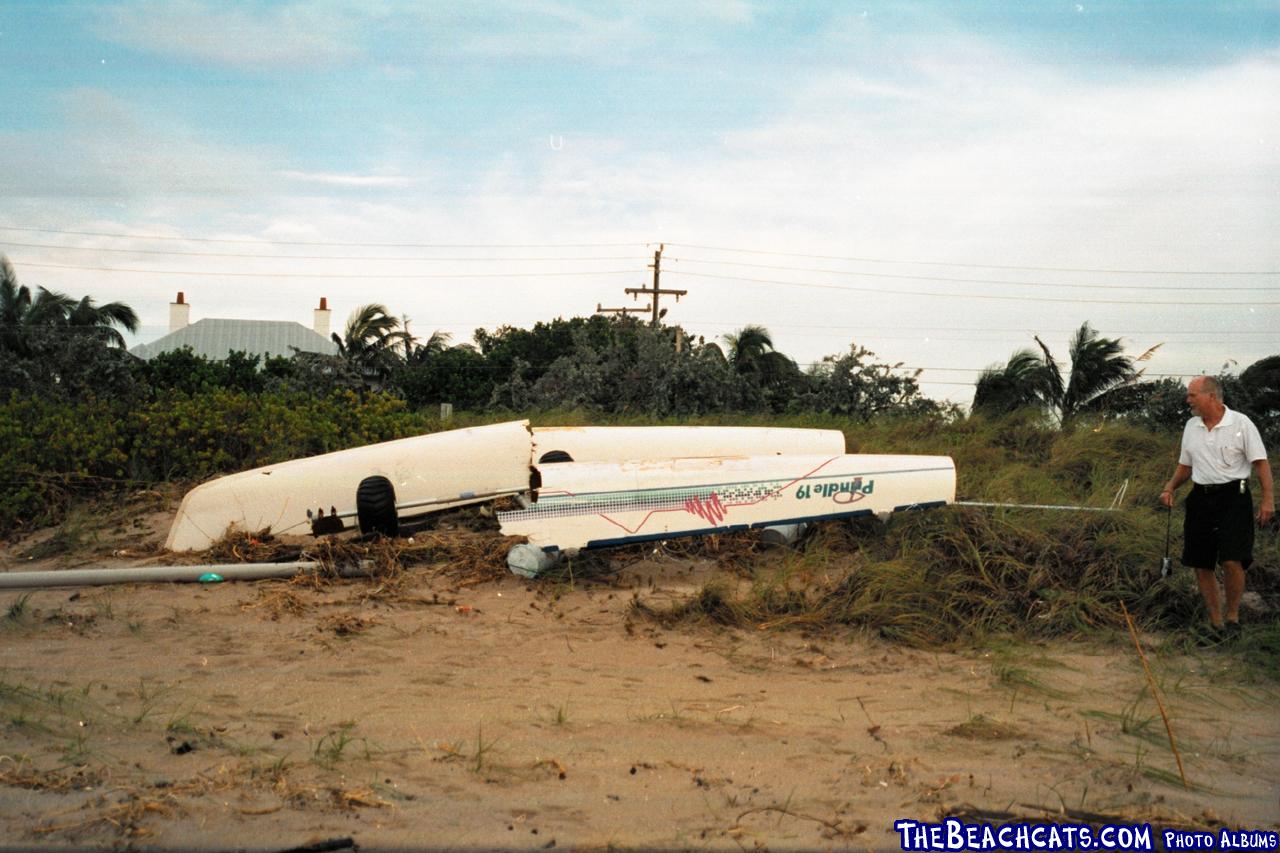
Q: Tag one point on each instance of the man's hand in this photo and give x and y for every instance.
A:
(1265, 513)
(1180, 475)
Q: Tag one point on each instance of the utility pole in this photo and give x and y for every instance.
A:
(656, 292)
(623, 311)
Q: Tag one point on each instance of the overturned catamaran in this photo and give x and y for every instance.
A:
(578, 487)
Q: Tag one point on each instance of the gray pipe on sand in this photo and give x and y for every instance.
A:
(163, 574)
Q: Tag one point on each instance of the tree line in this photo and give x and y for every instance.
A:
(58, 345)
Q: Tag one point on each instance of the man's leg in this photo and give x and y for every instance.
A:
(1209, 591)
(1233, 580)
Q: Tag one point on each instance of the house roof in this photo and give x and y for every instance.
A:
(218, 338)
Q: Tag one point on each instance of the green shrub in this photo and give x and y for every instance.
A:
(52, 451)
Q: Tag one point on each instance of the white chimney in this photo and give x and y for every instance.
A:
(179, 314)
(321, 323)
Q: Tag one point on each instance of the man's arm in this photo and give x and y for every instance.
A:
(1181, 475)
(1267, 506)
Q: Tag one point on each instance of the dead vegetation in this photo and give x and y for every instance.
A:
(980, 727)
(126, 526)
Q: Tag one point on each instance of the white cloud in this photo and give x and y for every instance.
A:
(310, 34)
(233, 34)
(954, 151)
(348, 180)
(107, 148)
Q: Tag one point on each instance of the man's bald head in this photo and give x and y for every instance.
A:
(1207, 385)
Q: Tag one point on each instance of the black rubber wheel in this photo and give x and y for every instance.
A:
(376, 506)
(555, 456)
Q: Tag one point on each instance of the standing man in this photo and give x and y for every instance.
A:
(1219, 447)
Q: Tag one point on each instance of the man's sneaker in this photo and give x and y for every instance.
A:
(1231, 630)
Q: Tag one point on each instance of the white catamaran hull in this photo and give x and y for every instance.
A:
(448, 469)
(591, 505)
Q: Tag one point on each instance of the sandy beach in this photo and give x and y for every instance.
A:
(464, 712)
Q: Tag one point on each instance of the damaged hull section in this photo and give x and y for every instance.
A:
(593, 505)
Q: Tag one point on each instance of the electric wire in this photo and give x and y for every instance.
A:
(861, 329)
(899, 276)
(255, 240)
(1027, 268)
(936, 294)
(258, 256)
(647, 244)
(339, 276)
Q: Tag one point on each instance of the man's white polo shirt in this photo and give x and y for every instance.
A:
(1224, 453)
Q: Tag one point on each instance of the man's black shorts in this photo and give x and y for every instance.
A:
(1219, 526)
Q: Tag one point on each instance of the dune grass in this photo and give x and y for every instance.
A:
(961, 575)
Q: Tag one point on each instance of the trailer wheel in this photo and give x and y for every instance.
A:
(376, 506)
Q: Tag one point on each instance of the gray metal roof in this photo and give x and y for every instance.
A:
(218, 338)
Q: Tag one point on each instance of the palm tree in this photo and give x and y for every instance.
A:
(102, 319)
(1020, 383)
(20, 315)
(15, 302)
(370, 340)
(752, 356)
(416, 352)
(1098, 366)
(751, 352)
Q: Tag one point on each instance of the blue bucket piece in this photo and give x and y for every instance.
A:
(210, 577)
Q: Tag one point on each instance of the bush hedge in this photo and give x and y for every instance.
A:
(52, 451)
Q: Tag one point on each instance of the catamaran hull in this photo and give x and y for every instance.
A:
(594, 505)
(448, 469)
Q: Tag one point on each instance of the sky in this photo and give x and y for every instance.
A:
(938, 182)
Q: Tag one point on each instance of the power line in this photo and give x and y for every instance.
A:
(981, 369)
(950, 295)
(858, 329)
(646, 244)
(906, 262)
(855, 327)
(1236, 344)
(363, 276)
(973, 280)
(636, 258)
(259, 241)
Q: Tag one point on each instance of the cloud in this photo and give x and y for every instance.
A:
(255, 37)
(936, 148)
(344, 180)
(992, 159)
(106, 147)
(234, 35)
(604, 34)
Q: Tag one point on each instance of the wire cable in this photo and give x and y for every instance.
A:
(935, 294)
(357, 276)
(254, 240)
(646, 244)
(861, 329)
(905, 262)
(635, 258)
(975, 280)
